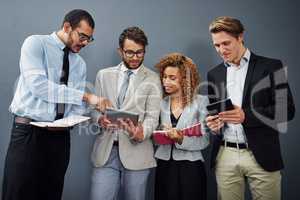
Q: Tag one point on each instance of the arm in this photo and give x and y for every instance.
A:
(152, 109)
(80, 85)
(211, 88)
(281, 100)
(35, 74)
(145, 128)
(197, 143)
(95, 114)
(213, 123)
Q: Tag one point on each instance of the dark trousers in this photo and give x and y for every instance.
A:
(180, 180)
(35, 164)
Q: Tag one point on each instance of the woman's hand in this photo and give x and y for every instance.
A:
(175, 135)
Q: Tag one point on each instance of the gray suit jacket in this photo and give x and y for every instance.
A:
(144, 98)
(191, 147)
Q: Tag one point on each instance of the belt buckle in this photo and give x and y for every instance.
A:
(237, 145)
(225, 143)
(22, 120)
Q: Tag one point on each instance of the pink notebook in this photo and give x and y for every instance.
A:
(160, 137)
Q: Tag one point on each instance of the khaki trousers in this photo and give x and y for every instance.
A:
(235, 166)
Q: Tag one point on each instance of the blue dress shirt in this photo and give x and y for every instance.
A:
(38, 88)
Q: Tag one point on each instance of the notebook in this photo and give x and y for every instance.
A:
(160, 136)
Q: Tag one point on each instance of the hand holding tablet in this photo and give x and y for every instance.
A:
(113, 116)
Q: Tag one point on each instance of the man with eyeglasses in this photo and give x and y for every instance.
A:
(50, 86)
(123, 153)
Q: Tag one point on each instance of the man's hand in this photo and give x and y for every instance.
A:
(235, 116)
(106, 123)
(101, 103)
(90, 98)
(135, 132)
(214, 123)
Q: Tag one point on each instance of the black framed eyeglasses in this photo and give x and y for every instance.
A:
(83, 37)
(138, 53)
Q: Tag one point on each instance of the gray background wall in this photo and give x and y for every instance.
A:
(272, 28)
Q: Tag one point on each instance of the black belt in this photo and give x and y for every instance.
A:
(22, 120)
(235, 145)
(26, 121)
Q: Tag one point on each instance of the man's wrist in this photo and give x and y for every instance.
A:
(132, 137)
(86, 97)
(138, 137)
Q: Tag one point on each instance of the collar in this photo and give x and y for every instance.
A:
(245, 59)
(58, 41)
(123, 68)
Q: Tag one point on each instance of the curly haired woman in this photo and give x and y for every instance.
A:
(180, 172)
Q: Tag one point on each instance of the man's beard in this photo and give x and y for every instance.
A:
(129, 67)
(70, 44)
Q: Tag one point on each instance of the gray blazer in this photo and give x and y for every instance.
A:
(144, 98)
(191, 147)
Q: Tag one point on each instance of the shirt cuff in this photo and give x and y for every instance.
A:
(77, 96)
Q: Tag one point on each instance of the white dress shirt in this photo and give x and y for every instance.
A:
(236, 75)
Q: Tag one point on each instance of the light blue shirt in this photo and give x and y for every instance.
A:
(38, 88)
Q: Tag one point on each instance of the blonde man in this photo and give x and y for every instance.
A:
(246, 145)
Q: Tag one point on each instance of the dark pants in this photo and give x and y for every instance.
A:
(180, 180)
(36, 162)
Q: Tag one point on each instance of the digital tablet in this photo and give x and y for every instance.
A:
(113, 115)
(219, 106)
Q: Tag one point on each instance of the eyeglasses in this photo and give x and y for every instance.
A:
(83, 37)
(138, 53)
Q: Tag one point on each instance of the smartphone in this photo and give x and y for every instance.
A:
(219, 106)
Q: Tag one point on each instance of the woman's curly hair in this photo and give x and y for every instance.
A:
(190, 78)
